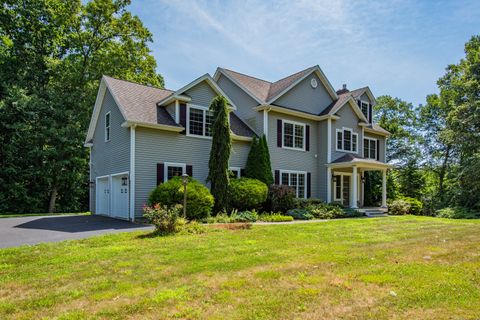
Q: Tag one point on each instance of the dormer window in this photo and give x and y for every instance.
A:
(199, 121)
(365, 106)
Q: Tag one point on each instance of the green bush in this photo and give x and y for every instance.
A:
(304, 203)
(220, 218)
(416, 206)
(246, 193)
(300, 214)
(281, 198)
(325, 211)
(164, 218)
(457, 213)
(351, 213)
(199, 199)
(399, 207)
(244, 216)
(274, 217)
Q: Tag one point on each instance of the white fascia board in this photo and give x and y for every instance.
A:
(172, 98)
(128, 124)
(295, 113)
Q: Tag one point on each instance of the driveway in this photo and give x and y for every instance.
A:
(32, 230)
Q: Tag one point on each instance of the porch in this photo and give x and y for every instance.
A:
(346, 182)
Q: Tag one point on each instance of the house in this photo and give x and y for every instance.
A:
(321, 141)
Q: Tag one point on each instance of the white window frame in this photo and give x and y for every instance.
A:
(109, 127)
(294, 123)
(204, 109)
(296, 187)
(368, 108)
(239, 174)
(166, 165)
(376, 145)
(353, 133)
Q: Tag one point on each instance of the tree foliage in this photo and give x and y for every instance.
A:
(218, 174)
(52, 56)
(258, 162)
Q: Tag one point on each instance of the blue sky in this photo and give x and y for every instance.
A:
(399, 48)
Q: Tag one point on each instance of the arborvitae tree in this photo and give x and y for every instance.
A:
(218, 174)
(258, 161)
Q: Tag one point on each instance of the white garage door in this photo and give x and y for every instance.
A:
(103, 196)
(119, 196)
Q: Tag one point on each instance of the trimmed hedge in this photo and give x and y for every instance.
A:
(246, 193)
(199, 199)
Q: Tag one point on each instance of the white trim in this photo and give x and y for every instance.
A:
(318, 71)
(238, 84)
(380, 133)
(164, 127)
(239, 173)
(174, 97)
(296, 113)
(132, 172)
(361, 163)
(172, 164)
(353, 105)
(204, 123)
(329, 140)
(329, 185)
(206, 77)
(177, 111)
(237, 137)
(354, 189)
(294, 123)
(265, 122)
(385, 150)
(352, 134)
(109, 127)
(376, 144)
(305, 173)
(370, 95)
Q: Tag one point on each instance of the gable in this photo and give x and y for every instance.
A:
(304, 97)
(364, 97)
(201, 94)
(348, 115)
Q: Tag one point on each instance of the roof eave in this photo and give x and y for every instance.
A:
(296, 113)
(173, 98)
(240, 138)
(363, 163)
(164, 127)
(382, 133)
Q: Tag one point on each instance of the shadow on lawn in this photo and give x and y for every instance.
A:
(74, 224)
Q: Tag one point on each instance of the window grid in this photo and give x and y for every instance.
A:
(196, 121)
(174, 171)
(295, 180)
(347, 140)
(370, 148)
(364, 107)
(293, 135)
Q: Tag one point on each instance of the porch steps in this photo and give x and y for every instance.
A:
(375, 213)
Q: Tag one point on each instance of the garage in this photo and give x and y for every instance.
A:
(112, 195)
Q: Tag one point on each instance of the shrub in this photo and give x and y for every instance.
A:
(274, 217)
(281, 198)
(246, 193)
(416, 206)
(326, 211)
(300, 214)
(351, 213)
(457, 213)
(399, 207)
(164, 218)
(304, 203)
(199, 199)
(220, 218)
(244, 216)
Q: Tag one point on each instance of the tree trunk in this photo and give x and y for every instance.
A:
(443, 171)
(53, 198)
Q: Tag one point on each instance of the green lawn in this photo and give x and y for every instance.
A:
(390, 268)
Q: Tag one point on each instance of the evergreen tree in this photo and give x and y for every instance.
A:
(258, 161)
(218, 174)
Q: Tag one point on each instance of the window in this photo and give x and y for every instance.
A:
(370, 148)
(199, 121)
(235, 172)
(365, 108)
(293, 135)
(347, 140)
(338, 188)
(295, 179)
(174, 170)
(107, 126)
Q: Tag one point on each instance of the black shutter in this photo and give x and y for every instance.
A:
(309, 184)
(183, 115)
(242, 172)
(378, 150)
(160, 173)
(277, 176)
(307, 138)
(279, 133)
(370, 112)
(359, 104)
(189, 170)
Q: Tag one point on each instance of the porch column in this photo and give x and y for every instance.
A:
(362, 188)
(329, 185)
(384, 188)
(353, 203)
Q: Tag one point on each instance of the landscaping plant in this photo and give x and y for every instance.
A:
(246, 193)
(280, 198)
(166, 219)
(258, 162)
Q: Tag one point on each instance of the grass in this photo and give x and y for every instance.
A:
(390, 268)
(19, 215)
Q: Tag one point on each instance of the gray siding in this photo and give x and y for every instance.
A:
(171, 110)
(382, 144)
(348, 119)
(112, 156)
(202, 94)
(155, 146)
(305, 98)
(285, 159)
(364, 97)
(244, 104)
(322, 159)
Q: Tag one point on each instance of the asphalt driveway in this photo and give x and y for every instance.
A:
(32, 230)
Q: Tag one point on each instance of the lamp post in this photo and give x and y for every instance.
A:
(184, 182)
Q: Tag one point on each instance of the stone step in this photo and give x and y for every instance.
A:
(374, 213)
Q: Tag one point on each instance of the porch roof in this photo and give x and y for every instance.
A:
(349, 160)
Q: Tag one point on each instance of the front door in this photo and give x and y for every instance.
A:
(346, 190)
(341, 186)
